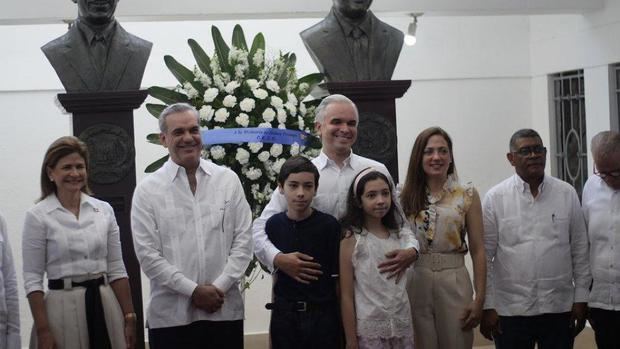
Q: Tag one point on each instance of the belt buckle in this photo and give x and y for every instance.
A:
(304, 306)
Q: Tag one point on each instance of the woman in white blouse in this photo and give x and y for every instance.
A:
(74, 238)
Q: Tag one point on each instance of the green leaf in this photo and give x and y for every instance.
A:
(221, 49)
(288, 67)
(238, 38)
(182, 73)
(202, 59)
(153, 138)
(257, 43)
(156, 165)
(312, 80)
(167, 96)
(155, 109)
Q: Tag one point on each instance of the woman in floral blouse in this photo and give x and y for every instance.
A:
(443, 213)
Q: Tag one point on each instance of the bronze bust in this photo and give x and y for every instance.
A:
(97, 54)
(352, 44)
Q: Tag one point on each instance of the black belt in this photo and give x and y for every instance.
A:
(97, 331)
(299, 306)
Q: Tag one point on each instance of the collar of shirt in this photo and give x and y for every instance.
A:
(51, 202)
(347, 27)
(172, 169)
(323, 161)
(523, 186)
(90, 33)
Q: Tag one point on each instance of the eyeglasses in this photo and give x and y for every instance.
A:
(603, 175)
(526, 151)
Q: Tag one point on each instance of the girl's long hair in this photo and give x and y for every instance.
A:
(353, 221)
(413, 196)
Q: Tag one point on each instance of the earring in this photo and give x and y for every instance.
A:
(51, 179)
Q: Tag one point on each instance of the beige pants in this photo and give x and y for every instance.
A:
(66, 312)
(438, 299)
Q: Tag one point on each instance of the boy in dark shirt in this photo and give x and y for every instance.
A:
(304, 313)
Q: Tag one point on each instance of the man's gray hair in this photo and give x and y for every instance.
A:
(173, 109)
(605, 143)
(522, 133)
(319, 115)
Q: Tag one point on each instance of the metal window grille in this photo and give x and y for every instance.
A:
(570, 126)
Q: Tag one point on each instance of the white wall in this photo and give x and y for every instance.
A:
(471, 75)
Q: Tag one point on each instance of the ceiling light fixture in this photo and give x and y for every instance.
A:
(410, 38)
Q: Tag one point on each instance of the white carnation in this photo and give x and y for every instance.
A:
(291, 98)
(302, 109)
(277, 165)
(217, 152)
(282, 126)
(252, 83)
(276, 102)
(242, 156)
(303, 87)
(260, 93)
(272, 85)
(240, 71)
(201, 77)
(255, 146)
(231, 86)
(301, 122)
(229, 101)
(291, 107)
(191, 91)
(263, 156)
(206, 113)
(247, 104)
(294, 149)
(253, 173)
(243, 119)
(276, 150)
(281, 116)
(269, 115)
(221, 115)
(210, 94)
(264, 125)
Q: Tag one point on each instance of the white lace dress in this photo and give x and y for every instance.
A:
(381, 306)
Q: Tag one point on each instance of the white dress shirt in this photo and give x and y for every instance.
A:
(331, 198)
(183, 240)
(55, 242)
(601, 206)
(9, 301)
(537, 248)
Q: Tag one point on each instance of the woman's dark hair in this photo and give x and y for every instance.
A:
(60, 148)
(413, 196)
(353, 221)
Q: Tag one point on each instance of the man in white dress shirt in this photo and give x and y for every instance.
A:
(601, 206)
(537, 254)
(336, 123)
(192, 234)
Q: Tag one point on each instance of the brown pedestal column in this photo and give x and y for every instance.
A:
(376, 102)
(104, 121)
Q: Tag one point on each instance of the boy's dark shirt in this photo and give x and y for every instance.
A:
(317, 236)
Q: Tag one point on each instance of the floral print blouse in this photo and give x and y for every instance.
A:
(441, 227)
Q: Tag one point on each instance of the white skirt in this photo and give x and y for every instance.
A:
(66, 314)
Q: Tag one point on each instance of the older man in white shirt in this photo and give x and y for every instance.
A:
(191, 227)
(601, 206)
(537, 254)
(336, 123)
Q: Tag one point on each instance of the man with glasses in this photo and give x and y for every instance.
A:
(601, 207)
(537, 254)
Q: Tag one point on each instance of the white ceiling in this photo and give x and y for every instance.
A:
(54, 11)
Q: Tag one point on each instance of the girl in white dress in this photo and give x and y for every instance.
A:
(375, 309)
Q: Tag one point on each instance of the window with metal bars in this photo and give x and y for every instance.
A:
(570, 128)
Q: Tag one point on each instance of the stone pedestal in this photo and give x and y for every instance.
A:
(104, 121)
(376, 102)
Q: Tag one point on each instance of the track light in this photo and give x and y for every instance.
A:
(410, 38)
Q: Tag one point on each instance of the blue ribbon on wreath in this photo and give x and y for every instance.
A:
(255, 134)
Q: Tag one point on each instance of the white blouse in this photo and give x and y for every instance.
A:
(381, 305)
(56, 242)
